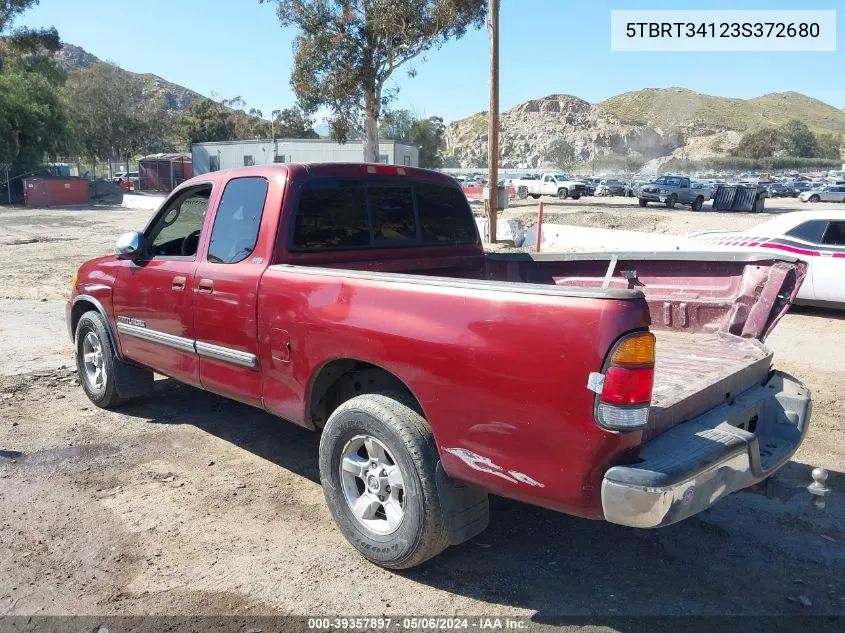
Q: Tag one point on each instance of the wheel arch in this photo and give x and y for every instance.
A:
(339, 379)
(86, 303)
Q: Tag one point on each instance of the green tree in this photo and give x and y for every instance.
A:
(759, 143)
(427, 134)
(561, 154)
(32, 117)
(347, 50)
(111, 117)
(797, 139)
(396, 125)
(829, 146)
(207, 121)
(294, 123)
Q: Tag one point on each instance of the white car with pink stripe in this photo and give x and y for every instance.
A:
(817, 237)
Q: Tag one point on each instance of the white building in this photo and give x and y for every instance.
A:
(230, 154)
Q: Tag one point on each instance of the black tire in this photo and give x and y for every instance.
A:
(671, 201)
(390, 418)
(122, 381)
(535, 195)
(815, 198)
(643, 203)
(576, 196)
(698, 203)
(563, 193)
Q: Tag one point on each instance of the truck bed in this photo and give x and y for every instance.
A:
(695, 372)
(710, 312)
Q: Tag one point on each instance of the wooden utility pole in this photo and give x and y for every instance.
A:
(493, 121)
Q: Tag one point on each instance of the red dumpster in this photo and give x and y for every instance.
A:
(54, 192)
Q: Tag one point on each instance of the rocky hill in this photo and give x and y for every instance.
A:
(644, 127)
(174, 97)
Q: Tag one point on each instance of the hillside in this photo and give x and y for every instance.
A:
(175, 98)
(691, 111)
(647, 126)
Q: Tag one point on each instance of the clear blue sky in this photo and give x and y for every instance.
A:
(236, 47)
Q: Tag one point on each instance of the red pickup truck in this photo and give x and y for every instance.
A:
(357, 300)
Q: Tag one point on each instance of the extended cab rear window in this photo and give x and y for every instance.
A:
(352, 213)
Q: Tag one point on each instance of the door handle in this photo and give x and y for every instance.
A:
(178, 283)
(205, 286)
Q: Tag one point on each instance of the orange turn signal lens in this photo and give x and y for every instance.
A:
(637, 349)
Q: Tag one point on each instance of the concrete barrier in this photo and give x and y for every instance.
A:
(132, 201)
(505, 230)
(568, 238)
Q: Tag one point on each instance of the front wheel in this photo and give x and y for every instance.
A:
(671, 201)
(815, 199)
(643, 203)
(576, 196)
(106, 380)
(378, 464)
(535, 195)
(563, 193)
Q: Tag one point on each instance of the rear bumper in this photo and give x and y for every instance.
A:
(688, 468)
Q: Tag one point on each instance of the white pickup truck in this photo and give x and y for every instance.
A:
(560, 185)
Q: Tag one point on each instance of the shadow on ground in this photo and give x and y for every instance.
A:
(555, 564)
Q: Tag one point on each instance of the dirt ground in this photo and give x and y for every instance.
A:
(187, 503)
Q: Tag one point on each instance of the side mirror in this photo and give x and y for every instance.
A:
(128, 245)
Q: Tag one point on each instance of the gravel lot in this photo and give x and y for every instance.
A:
(191, 504)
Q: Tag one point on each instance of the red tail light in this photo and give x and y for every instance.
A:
(624, 390)
(627, 386)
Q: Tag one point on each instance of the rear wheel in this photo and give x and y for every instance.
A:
(563, 193)
(698, 203)
(535, 195)
(378, 464)
(671, 201)
(643, 203)
(106, 380)
(576, 196)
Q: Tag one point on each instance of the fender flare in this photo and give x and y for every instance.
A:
(99, 308)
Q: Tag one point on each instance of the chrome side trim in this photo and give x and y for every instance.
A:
(244, 359)
(154, 336)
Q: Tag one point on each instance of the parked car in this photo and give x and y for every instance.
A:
(825, 193)
(610, 187)
(633, 187)
(591, 184)
(705, 189)
(818, 237)
(319, 294)
(671, 190)
(780, 190)
(560, 185)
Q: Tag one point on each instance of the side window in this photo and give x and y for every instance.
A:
(237, 221)
(445, 216)
(279, 158)
(176, 231)
(213, 163)
(382, 158)
(835, 234)
(392, 210)
(248, 161)
(332, 214)
(811, 231)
